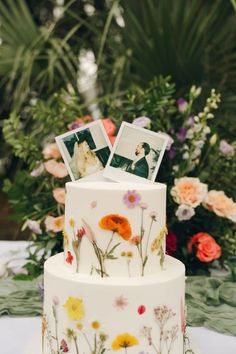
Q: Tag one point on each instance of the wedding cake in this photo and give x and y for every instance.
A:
(114, 289)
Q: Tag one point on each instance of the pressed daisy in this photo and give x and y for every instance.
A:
(124, 340)
(75, 308)
(118, 224)
(79, 326)
(129, 254)
(95, 325)
(131, 199)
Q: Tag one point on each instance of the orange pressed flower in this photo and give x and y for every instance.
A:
(116, 223)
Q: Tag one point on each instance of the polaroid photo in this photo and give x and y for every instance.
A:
(136, 155)
(85, 151)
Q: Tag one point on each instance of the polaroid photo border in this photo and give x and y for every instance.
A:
(66, 154)
(116, 173)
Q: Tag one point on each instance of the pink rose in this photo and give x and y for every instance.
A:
(51, 151)
(220, 204)
(189, 191)
(207, 248)
(54, 224)
(57, 169)
(59, 195)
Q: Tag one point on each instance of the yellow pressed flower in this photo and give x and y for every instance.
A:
(124, 340)
(95, 325)
(129, 254)
(66, 238)
(44, 324)
(156, 243)
(79, 326)
(123, 254)
(72, 222)
(75, 308)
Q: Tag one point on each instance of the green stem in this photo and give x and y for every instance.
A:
(149, 233)
(89, 345)
(97, 252)
(76, 345)
(56, 329)
(109, 243)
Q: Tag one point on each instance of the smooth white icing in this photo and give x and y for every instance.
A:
(91, 201)
(99, 298)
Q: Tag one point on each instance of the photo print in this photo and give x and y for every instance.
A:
(136, 155)
(85, 151)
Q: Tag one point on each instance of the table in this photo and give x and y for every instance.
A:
(22, 335)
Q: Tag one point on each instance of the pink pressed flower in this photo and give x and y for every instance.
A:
(55, 300)
(93, 204)
(88, 232)
(33, 226)
(143, 205)
(80, 232)
(51, 151)
(57, 169)
(64, 346)
(135, 240)
(59, 195)
(54, 224)
(131, 199)
(143, 122)
(36, 172)
(121, 302)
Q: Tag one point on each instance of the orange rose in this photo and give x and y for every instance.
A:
(54, 224)
(206, 246)
(220, 204)
(189, 191)
(57, 169)
(51, 151)
(116, 223)
(59, 195)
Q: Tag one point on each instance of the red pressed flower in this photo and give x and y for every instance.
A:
(141, 309)
(69, 258)
(64, 346)
(80, 232)
(171, 243)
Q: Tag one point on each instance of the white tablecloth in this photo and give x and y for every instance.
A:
(23, 335)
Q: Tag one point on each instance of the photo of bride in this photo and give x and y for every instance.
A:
(85, 150)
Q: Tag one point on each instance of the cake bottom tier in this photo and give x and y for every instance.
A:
(88, 315)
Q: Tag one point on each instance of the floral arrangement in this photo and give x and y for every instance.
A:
(198, 168)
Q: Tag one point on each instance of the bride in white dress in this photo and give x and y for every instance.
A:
(84, 161)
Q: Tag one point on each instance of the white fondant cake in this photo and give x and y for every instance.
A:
(114, 289)
(87, 315)
(115, 229)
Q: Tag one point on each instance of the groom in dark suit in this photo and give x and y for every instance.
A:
(139, 166)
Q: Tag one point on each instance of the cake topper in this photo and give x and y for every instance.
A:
(136, 155)
(85, 151)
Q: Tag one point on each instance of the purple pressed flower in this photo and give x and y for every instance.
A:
(226, 149)
(182, 105)
(184, 212)
(181, 134)
(55, 300)
(143, 205)
(143, 122)
(131, 199)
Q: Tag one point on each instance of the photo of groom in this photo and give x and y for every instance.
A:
(136, 155)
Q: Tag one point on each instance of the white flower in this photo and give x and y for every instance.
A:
(143, 122)
(184, 212)
(196, 153)
(207, 130)
(33, 226)
(185, 156)
(37, 171)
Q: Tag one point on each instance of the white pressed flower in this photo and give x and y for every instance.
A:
(185, 156)
(207, 130)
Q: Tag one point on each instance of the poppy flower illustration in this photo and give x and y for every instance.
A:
(69, 258)
(131, 199)
(124, 340)
(141, 309)
(116, 223)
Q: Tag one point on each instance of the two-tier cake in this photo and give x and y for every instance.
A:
(114, 289)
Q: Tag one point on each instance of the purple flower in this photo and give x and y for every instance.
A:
(181, 134)
(143, 122)
(33, 226)
(190, 121)
(184, 212)
(226, 149)
(172, 152)
(131, 199)
(182, 105)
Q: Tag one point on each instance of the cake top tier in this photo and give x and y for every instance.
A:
(115, 229)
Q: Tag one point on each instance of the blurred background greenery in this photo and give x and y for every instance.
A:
(44, 46)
